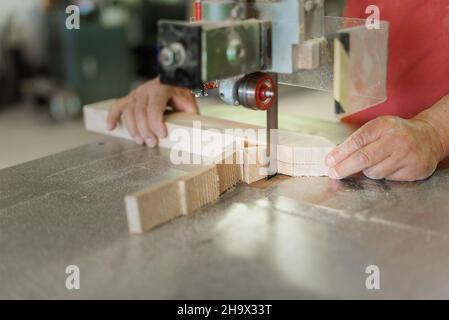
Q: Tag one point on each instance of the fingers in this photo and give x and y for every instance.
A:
(406, 175)
(143, 110)
(190, 106)
(143, 115)
(367, 134)
(413, 169)
(184, 101)
(131, 125)
(363, 158)
(387, 148)
(115, 113)
(399, 175)
(384, 169)
(155, 116)
(141, 120)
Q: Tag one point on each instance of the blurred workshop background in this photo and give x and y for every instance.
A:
(48, 72)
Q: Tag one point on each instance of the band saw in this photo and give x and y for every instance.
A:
(245, 48)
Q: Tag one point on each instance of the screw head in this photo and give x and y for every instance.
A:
(167, 57)
(235, 51)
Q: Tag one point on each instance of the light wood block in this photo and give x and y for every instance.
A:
(152, 207)
(292, 146)
(229, 172)
(253, 164)
(179, 126)
(198, 189)
(161, 203)
(285, 168)
(95, 116)
(310, 170)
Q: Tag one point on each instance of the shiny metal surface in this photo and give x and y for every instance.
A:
(300, 238)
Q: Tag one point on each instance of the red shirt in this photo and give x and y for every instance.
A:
(418, 62)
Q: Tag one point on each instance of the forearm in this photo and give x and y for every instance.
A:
(438, 117)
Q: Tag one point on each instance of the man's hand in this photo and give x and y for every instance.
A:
(143, 110)
(389, 148)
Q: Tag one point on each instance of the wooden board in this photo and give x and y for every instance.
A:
(198, 189)
(241, 156)
(229, 172)
(253, 164)
(178, 125)
(293, 148)
(152, 207)
(164, 202)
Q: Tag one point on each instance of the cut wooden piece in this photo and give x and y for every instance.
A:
(208, 137)
(303, 155)
(153, 206)
(285, 153)
(229, 175)
(253, 164)
(187, 132)
(310, 170)
(309, 155)
(159, 204)
(308, 162)
(193, 138)
(198, 189)
(285, 168)
(294, 146)
(229, 172)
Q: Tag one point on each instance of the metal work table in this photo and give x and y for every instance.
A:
(299, 238)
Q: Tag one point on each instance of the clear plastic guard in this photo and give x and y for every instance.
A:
(363, 75)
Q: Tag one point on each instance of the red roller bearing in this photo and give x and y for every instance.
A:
(257, 91)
